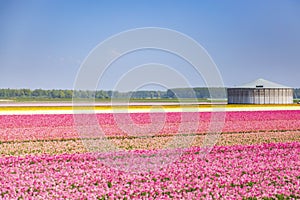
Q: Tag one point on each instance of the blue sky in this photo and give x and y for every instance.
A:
(42, 43)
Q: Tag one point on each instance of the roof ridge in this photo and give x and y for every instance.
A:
(263, 83)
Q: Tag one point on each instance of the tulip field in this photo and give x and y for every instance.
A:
(59, 156)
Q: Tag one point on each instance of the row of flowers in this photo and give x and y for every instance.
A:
(72, 146)
(64, 126)
(227, 172)
(54, 120)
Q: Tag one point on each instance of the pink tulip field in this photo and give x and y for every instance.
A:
(62, 126)
(45, 156)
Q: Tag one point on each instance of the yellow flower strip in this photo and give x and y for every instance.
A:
(140, 108)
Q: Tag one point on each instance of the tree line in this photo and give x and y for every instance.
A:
(102, 94)
(297, 93)
(202, 93)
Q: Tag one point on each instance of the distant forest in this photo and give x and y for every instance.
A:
(201, 93)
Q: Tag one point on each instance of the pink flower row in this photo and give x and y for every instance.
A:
(11, 121)
(228, 172)
(32, 127)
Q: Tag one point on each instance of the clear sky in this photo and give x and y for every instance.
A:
(42, 43)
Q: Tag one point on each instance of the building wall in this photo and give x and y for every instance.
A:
(260, 95)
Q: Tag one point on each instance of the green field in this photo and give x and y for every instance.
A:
(30, 100)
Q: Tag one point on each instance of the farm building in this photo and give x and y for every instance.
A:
(260, 91)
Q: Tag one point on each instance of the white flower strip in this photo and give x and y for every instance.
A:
(65, 110)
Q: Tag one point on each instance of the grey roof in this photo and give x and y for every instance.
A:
(263, 84)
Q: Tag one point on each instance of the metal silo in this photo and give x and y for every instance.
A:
(260, 91)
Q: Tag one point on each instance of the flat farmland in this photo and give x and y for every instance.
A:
(87, 152)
